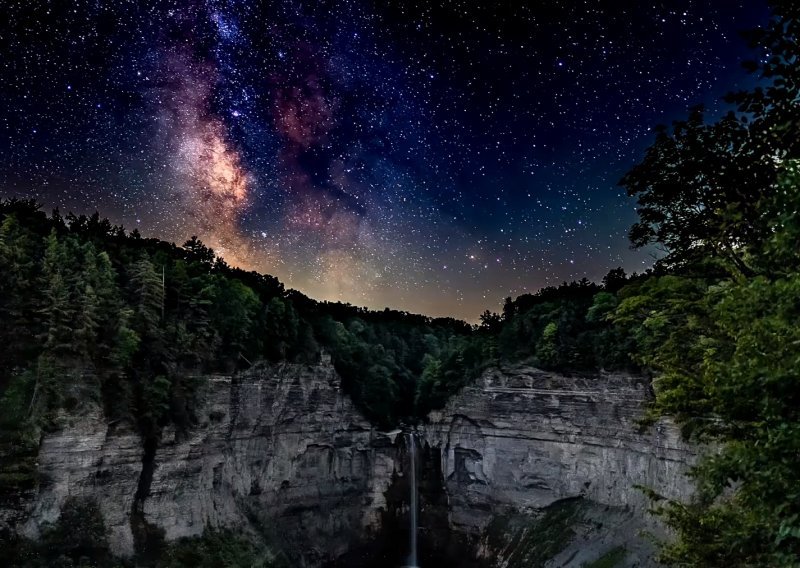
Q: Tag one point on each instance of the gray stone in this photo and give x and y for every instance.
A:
(279, 449)
(522, 439)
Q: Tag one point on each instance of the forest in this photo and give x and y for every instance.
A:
(91, 312)
(94, 313)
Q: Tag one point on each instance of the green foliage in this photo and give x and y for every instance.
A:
(698, 190)
(15, 402)
(603, 305)
(57, 310)
(19, 435)
(232, 313)
(722, 333)
(547, 348)
(155, 403)
(18, 262)
(281, 329)
(431, 391)
(90, 313)
(569, 327)
(147, 297)
(219, 549)
(611, 559)
(738, 389)
(76, 539)
(535, 541)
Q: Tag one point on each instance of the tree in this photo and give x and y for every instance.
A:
(87, 315)
(233, 313)
(18, 276)
(147, 290)
(725, 349)
(547, 348)
(220, 548)
(197, 252)
(57, 310)
(614, 280)
(379, 394)
(78, 537)
(703, 187)
(741, 393)
(667, 318)
(430, 391)
(281, 329)
(116, 342)
(602, 307)
(699, 188)
(773, 107)
(491, 321)
(156, 396)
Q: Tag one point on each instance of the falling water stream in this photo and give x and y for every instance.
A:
(412, 452)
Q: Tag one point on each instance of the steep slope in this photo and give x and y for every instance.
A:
(520, 468)
(277, 450)
(522, 440)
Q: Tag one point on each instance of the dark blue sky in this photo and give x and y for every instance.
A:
(434, 157)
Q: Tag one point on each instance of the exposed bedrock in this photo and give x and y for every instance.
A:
(276, 450)
(281, 452)
(522, 441)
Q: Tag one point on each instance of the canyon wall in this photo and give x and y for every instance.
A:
(279, 450)
(521, 440)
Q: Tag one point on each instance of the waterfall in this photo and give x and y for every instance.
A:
(412, 453)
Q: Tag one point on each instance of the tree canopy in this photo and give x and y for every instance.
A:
(721, 332)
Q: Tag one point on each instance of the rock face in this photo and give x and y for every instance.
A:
(522, 439)
(89, 458)
(279, 450)
(281, 446)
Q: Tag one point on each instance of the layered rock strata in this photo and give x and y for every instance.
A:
(282, 451)
(521, 440)
(276, 449)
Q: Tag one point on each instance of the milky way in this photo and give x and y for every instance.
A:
(212, 184)
(434, 157)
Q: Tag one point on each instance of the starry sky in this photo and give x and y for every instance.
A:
(434, 157)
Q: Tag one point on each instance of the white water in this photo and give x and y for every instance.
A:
(412, 452)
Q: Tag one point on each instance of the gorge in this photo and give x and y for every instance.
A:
(522, 468)
(347, 284)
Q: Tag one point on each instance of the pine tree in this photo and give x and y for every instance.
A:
(87, 315)
(56, 311)
(17, 306)
(148, 297)
(280, 329)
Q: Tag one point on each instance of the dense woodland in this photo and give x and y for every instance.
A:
(95, 316)
(92, 314)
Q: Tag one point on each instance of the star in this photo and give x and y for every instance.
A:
(374, 153)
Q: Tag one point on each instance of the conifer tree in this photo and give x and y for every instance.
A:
(17, 297)
(56, 311)
(146, 287)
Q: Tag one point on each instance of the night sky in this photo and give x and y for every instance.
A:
(432, 157)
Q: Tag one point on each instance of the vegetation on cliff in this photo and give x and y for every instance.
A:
(79, 539)
(715, 321)
(90, 312)
(721, 333)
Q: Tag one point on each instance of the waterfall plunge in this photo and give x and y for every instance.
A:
(412, 453)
